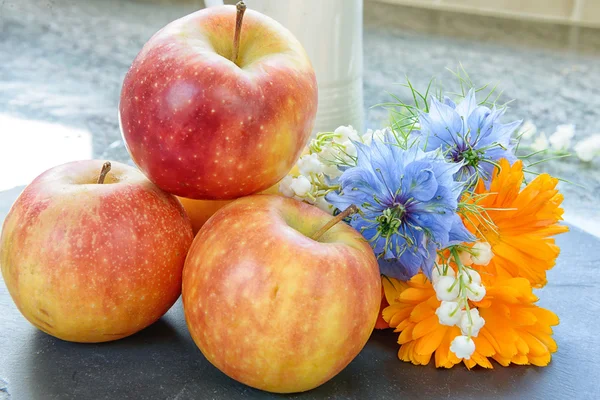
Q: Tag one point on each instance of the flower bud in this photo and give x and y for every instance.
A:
(482, 253)
(446, 288)
(310, 163)
(438, 270)
(449, 313)
(470, 276)
(475, 291)
(471, 326)
(301, 185)
(284, 186)
(465, 258)
(463, 347)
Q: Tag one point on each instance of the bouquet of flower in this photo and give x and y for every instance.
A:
(460, 236)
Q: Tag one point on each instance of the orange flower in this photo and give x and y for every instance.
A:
(523, 223)
(515, 330)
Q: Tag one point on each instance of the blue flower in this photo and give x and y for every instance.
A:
(407, 201)
(467, 133)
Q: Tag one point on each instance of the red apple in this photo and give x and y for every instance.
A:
(202, 126)
(273, 308)
(90, 262)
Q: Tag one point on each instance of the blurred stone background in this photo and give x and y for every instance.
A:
(62, 63)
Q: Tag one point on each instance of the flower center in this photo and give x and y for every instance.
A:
(390, 220)
(472, 157)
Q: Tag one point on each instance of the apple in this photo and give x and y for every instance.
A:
(89, 258)
(204, 124)
(272, 307)
(200, 211)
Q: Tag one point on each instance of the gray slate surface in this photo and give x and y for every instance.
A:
(162, 361)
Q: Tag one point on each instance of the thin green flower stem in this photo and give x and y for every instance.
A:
(548, 159)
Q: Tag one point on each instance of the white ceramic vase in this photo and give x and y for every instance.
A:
(331, 32)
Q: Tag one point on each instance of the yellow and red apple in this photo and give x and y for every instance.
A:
(273, 308)
(202, 126)
(200, 211)
(94, 262)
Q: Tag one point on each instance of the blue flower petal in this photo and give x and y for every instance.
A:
(466, 131)
(394, 269)
(419, 181)
(448, 101)
(408, 200)
(467, 105)
(459, 233)
(439, 125)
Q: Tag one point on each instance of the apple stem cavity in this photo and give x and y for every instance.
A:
(241, 8)
(352, 209)
(103, 172)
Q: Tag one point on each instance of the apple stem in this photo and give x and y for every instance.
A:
(352, 209)
(241, 8)
(103, 172)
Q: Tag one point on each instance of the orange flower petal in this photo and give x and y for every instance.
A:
(540, 361)
(406, 335)
(430, 342)
(425, 326)
(523, 222)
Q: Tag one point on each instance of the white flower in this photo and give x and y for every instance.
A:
(475, 291)
(470, 276)
(561, 139)
(446, 288)
(349, 147)
(449, 313)
(471, 327)
(324, 205)
(588, 148)
(528, 129)
(301, 186)
(331, 170)
(326, 153)
(284, 186)
(481, 253)
(541, 143)
(370, 135)
(336, 150)
(345, 133)
(438, 271)
(465, 257)
(310, 163)
(463, 347)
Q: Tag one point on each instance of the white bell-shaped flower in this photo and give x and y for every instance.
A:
(481, 253)
(446, 288)
(438, 271)
(463, 347)
(465, 258)
(471, 326)
(301, 186)
(310, 163)
(344, 133)
(475, 291)
(284, 186)
(470, 276)
(449, 313)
